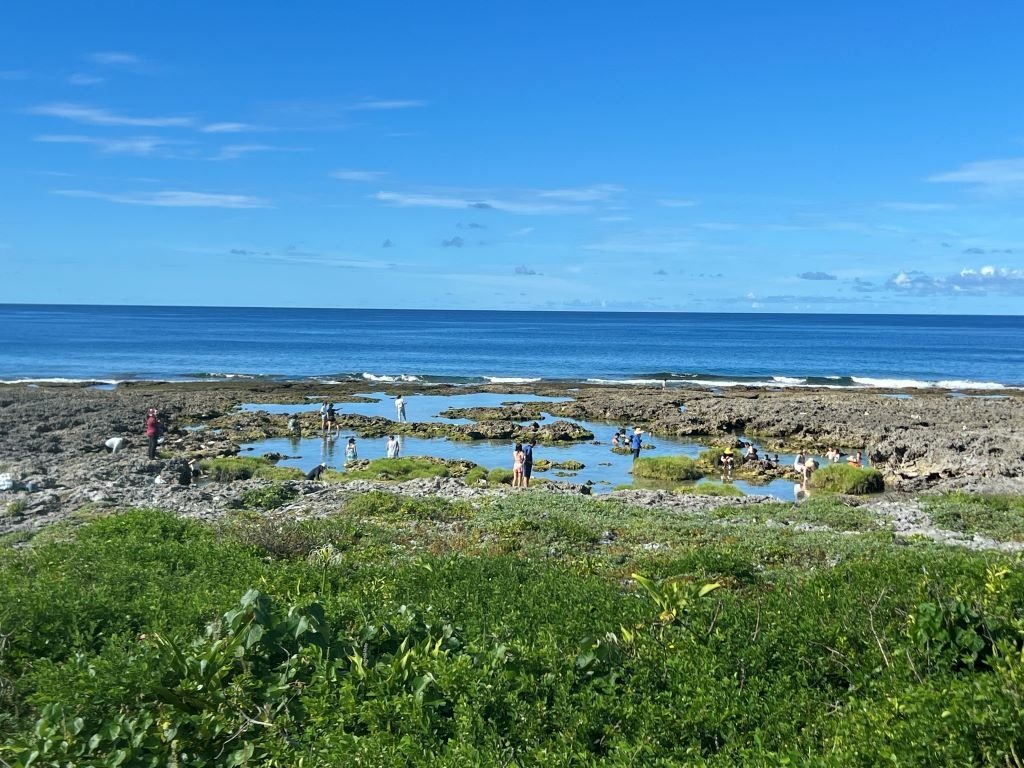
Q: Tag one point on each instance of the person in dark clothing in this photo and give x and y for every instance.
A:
(528, 460)
(316, 472)
(153, 431)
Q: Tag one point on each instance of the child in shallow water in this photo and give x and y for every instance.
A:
(350, 450)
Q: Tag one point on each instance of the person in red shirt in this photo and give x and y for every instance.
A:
(153, 431)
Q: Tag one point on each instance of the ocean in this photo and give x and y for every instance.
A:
(120, 343)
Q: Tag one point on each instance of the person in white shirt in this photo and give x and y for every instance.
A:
(400, 407)
(393, 447)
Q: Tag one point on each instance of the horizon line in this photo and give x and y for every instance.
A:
(522, 311)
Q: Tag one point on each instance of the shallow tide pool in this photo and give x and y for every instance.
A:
(604, 469)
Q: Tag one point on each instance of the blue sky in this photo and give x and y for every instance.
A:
(733, 156)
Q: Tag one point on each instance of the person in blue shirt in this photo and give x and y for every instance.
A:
(528, 460)
(635, 442)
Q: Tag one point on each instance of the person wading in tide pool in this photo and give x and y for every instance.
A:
(635, 442)
(400, 407)
(393, 447)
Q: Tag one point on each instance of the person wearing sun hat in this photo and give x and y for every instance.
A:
(728, 460)
(635, 442)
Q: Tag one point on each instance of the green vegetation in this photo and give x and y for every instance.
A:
(269, 497)
(531, 629)
(842, 478)
(228, 468)
(999, 517)
(709, 489)
(675, 468)
(400, 469)
(826, 510)
(499, 476)
(16, 507)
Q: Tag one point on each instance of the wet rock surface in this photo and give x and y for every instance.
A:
(51, 440)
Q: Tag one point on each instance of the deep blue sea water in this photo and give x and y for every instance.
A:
(130, 343)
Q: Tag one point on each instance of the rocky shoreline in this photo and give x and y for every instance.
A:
(51, 439)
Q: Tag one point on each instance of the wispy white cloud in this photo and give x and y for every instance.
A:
(982, 281)
(12, 75)
(115, 59)
(583, 194)
(992, 174)
(231, 128)
(81, 113)
(614, 219)
(648, 242)
(141, 146)
(171, 198)
(81, 78)
(235, 151)
(524, 207)
(919, 207)
(388, 104)
(348, 174)
(672, 202)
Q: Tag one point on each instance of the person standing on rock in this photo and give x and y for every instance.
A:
(517, 466)
(153, 431)
(400, 407)
(528, 460)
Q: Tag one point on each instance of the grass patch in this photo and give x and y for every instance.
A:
(229, 468)
(709, 489)
(675, 468)
(499, 476)
(998, 517)
(16, 507)
(842, 478)
(399, 470)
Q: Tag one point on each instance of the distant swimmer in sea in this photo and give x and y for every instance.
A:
(833, 455)
(400, 407)
(856, 460)
(316, 472)
(615, 440)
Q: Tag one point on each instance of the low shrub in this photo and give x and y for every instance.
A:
(499, 476)
(227, 468)
(679, 468)
(475, 475)
(1000, 517)
(269, 497)
(16, 507)
(842, 478)
(709, 489)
